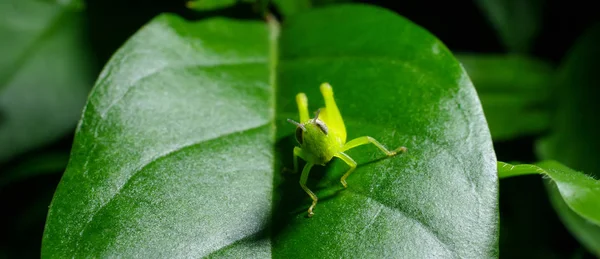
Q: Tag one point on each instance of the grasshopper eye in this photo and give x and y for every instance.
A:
(300, 129)
(299, 135)
(321, 125)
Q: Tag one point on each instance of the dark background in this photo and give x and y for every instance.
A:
(529, 226)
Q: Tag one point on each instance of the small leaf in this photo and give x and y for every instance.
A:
(586, 231)
(45, 73)
(515, 92)
(578, 191)
(180, 148)
(517, 21)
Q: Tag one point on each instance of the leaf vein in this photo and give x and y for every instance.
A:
(132, 85)
(151, 161)
(419, 222)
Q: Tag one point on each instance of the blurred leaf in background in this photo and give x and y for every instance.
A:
(204, 5)
(515, 92)
(517, 22)
(288, 7)
(46, 72)
(258, 6)
(575, 136)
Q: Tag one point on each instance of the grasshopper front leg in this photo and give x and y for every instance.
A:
(303, 179)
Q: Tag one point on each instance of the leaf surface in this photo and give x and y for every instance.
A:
(181, 147)
(580, 191)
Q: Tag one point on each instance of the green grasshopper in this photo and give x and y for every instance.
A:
(324, 137)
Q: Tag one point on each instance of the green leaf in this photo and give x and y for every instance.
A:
(580, 191)
(291, 7)
(45, 73)
(574, 138)
(515, 92)
(288, 8)
(584, 230)
(207, 5)
(210, 4)
(518, 22)
(575, 196)
(181, 147)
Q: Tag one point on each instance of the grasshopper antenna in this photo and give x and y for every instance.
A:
(297, 124)
(317, 115)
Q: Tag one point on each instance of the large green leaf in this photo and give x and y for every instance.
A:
(45, 73)
(514, 90)
(574, 139)
(518, 22)
(181, 147)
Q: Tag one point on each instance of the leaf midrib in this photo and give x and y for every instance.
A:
(273, 37)
(273, 59)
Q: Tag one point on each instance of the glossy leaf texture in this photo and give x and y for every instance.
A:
(574, 137)
(181, 149)
(45, 73)
(517, 22)
(515, 92)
